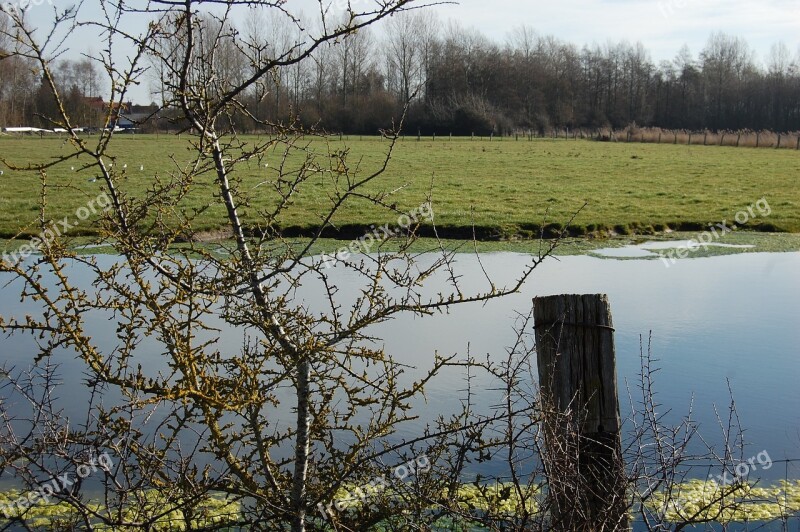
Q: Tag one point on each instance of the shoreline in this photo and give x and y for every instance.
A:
(731, 244)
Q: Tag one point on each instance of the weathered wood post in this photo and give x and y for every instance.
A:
(578, 383)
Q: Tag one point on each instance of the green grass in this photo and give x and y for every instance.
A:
(505, 189)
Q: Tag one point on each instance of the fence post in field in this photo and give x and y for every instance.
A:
(758, 138)
(779, 142)
(581, 423)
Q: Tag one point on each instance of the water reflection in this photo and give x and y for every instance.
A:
(713, 320)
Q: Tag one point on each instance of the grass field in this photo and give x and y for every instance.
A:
(504, 188)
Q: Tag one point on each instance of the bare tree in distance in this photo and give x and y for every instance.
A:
(405, 53)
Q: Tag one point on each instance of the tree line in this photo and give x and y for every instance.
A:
(457, 81)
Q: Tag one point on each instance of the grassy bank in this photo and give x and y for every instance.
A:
(502, 189)
(754, 242)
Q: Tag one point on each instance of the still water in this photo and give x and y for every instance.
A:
(713, 321)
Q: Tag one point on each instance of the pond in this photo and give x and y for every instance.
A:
(713, 321)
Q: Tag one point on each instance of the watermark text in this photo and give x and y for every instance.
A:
(380, 234)
(361, 494)
(759, 209)
(60, 228)
(59, 484)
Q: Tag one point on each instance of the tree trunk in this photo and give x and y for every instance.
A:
(577, 377)
(302, 449)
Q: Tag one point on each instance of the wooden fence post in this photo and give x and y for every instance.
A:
(578, 383)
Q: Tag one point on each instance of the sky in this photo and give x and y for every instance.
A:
(662, 26)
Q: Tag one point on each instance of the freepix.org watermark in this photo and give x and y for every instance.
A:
(361, 494)
(380, 234)
(55, 229)
(759, 209)
(60, 484)
(738, 477)
(743, 469)
(17, 8)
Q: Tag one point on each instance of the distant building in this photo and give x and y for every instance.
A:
(96, 103)
(133, 120)
(128, 119)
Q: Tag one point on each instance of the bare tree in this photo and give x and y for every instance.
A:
(405, 51)
(213, 403)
